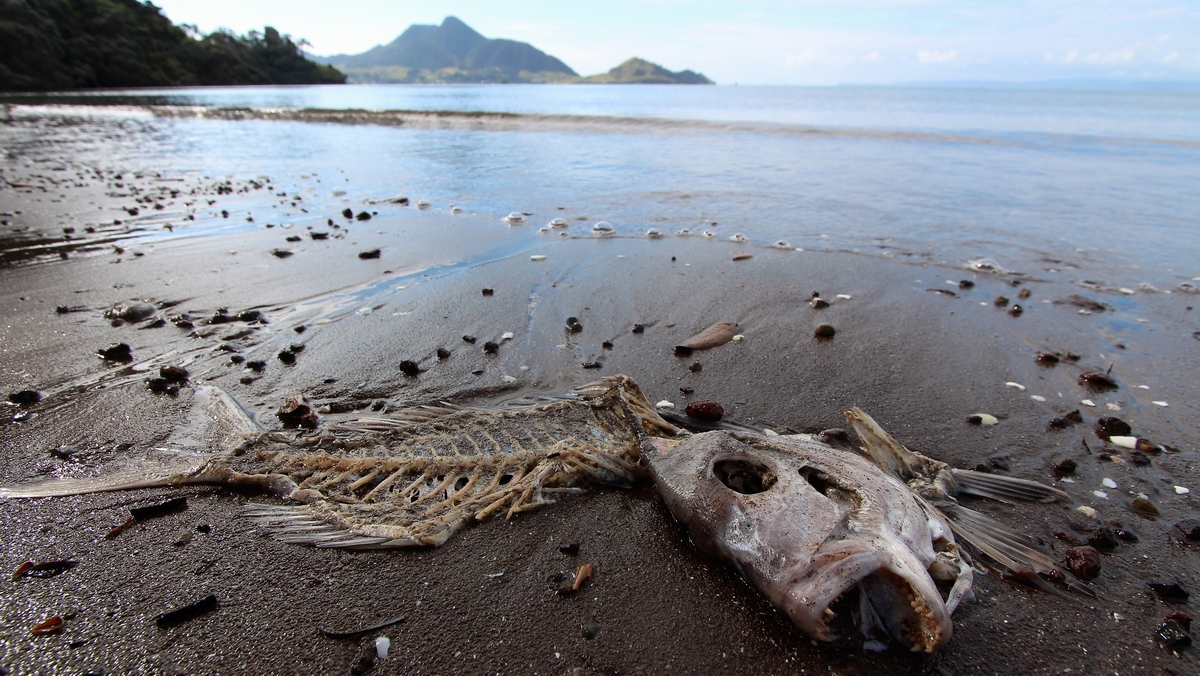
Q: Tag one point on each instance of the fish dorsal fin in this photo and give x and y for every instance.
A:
(885, 451)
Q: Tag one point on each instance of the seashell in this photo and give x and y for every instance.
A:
(1160, 403)
(382, 644)
(1037, 397)
(1019, 386)
(664, 404)
(1109, 483)
(1087, 402)
(1123, 442)
(717, 334)
(1180, 490)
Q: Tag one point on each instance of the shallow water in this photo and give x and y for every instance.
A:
(1072, 185)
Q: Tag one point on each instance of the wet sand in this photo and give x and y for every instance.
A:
(921, 362)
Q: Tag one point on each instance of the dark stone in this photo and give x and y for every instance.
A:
(1190, 529)
(443, 353)
(25, 397)
(363, 216)
(287, 357)
(1074, 417)
(173, 374)
(300, 329)
(686, 390)
(117, 352)
(157, 324)
(131, 311)
(966, 284)
(1112, 427)
(1126, 535)
(1057, 424)
(295, 412)
(1066, 466)
(252, 316)
(1169, 590)
(592, 365)
(607, 345)
(477, 372)
(1104, 540)
(368, 255)
(319, 235)
(696, 367)
(836, 436)
(256, 366)
(491, 348)
(573, 325)
(409, 367)
(347, 213)
(204, 528)
(62, 309)
(1084, 562)
(182, 321)
(705, 409)
(1139, 459)
(638, 328)
(1097, 382)
(1173, 635)
(489, 292)
(470, 340)
(1000, 301)
(1047, 359)
(1016, 310)
(1182, 618)
(280, 253)
(1143, 506)
(237, 359)
(157, 385)
(818, 303)
(825, 331)
(379, 405)
(293, 238)
(999, 462)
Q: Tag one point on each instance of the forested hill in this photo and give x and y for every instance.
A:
(71, 44)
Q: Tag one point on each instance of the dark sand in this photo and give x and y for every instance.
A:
(920, 362)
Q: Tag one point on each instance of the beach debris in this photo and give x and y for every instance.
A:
(573, 325)
(1142, 505)
(664, 404)
(295, 411)
(715, 335)
(281, 253)
(25, 397)
(131, 311)
(824, 331)
(1097, 382)
(603, 229)
(1174, 633)
(21, 570)
(358, 632)
(983, 419)
(582, 574)
(369, 255)
(537, 257)
(43, 570)
(119, 352)
(409, 367)
(382, 643)
(742, 256)
(758, 502)
(1083, 562)
(48, 626)
(1169, 591)
(705, 410)
(1017, 386)
(188, 612)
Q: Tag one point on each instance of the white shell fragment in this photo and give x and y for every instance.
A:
(1180, 490)
(1126, 291)
(1160, 403)
(1019, 386)
(538, 257)
(1037, 397)
(1143, 387)
(1100, 494)
(509, 379)
(1086, 511)
(1087, 402)
(664, 404)
(382, 644)
(844, 296)
(770, 433)
(1109, 483)
(1123, 442)
(986, 419)
(738, 338)
(507, 335)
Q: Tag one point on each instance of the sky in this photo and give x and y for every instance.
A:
(777, 42)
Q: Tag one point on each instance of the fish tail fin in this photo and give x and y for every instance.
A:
(215, 421)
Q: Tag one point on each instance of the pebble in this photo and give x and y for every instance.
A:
(1066, 466)
(1104, 539)
(507, 335)
(1169, 590)
(1037, 397)
(368, 255)
(738, 338)
(25, 397)
(1180, 490)
(705, 409)
(1123, 442)
(538, 257)
(983, 419)
(346, 213)
(573, 325)
(825, 331)
(1018, 386)
(1190, 529)
(1109, 483)
(491, 348)
(382, 644)
(1087, 402)
(409, 367)
(117, 352)
(1086, 511)
(280, 253)
(470, 340)
(443, 353)
(664, 404)
(1143, 506)
(1173, 635)
(1084, 562)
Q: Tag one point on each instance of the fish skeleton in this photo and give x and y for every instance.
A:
(803, 521)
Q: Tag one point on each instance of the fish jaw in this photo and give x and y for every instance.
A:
(900, 592)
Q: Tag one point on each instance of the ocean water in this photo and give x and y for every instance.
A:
(1077, 184)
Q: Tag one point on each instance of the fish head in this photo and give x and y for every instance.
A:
(829, 538)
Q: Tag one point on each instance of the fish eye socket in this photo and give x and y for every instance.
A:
(743, 476)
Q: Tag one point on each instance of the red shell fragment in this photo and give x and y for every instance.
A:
(47, 626)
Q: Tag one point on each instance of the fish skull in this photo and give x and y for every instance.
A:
(806, 524)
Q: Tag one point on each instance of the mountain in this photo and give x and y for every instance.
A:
(453, 52)
(69, 44)
(640, 71)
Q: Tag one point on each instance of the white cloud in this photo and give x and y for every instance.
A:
(934, 56)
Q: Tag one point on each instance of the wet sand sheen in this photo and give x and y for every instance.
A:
(921, 362)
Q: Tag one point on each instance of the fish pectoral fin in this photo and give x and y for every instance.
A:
(1017, 554)
(1005, 488)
